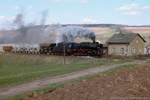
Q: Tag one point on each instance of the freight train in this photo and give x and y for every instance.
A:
(94, 49)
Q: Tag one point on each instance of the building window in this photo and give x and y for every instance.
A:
(137, 41)
(133, 50)
(114, 50)
(122, 51)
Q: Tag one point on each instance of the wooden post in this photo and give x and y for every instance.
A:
(127, 46)
(64, 50)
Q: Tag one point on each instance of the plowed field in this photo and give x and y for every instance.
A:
(126, 84)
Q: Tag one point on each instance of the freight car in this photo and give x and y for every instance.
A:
(26, 48)
(7, 48)
(47, 48)
(94, 49)
(79, 49)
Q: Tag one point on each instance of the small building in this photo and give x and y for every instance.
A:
(126, 44)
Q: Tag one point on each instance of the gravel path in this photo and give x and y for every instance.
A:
(41, 83)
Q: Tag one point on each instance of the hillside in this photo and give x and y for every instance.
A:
(103, 31)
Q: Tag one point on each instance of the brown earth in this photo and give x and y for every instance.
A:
(138, 29)
(100, 30)
(127, 84)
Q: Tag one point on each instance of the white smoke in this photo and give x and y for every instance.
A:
(41, 34)
(70, 33)
(51, 33)
(31, 34)
(19, 20)
(44, 16)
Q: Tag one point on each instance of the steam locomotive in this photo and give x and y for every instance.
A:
(79, 49)
(70, 49)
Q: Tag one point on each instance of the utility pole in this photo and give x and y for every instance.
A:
(64, 47)
(127, 46)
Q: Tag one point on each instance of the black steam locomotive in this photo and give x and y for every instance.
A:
(79, 49)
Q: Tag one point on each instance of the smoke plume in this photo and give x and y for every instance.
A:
(44, 16)
(70, 33)
(19, 20)
(31, 33)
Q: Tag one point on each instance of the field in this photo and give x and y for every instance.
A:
(138, 29)
(117, 84)
(100, 30)
(104, 33)
(19, 68)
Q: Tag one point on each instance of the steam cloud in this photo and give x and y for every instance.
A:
(70, 33)
(32, 34)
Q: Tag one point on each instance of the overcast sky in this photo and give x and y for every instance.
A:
(129, 12)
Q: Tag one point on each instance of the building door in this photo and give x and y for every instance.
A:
(133, 51)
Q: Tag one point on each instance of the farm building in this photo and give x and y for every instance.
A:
(126, 44)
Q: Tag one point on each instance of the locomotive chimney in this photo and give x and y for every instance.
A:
(94, 41)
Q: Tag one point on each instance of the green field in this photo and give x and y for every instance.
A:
(107, 35)
(19, 68)
(145, 34)
(110, 34)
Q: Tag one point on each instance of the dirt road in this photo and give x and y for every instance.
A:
(41, 83)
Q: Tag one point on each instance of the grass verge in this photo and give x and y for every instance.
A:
(19, 68)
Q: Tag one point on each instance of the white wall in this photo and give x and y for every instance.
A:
(117, 49)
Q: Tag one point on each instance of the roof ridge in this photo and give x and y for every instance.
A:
(123, 38)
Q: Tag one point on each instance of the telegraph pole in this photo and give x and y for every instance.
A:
(127, 45)
(64, 47)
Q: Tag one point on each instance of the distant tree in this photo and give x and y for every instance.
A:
(116, 27)
(120, 28)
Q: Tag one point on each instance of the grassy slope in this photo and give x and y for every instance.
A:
(145, 34)
(107, 35)
(18, 68)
